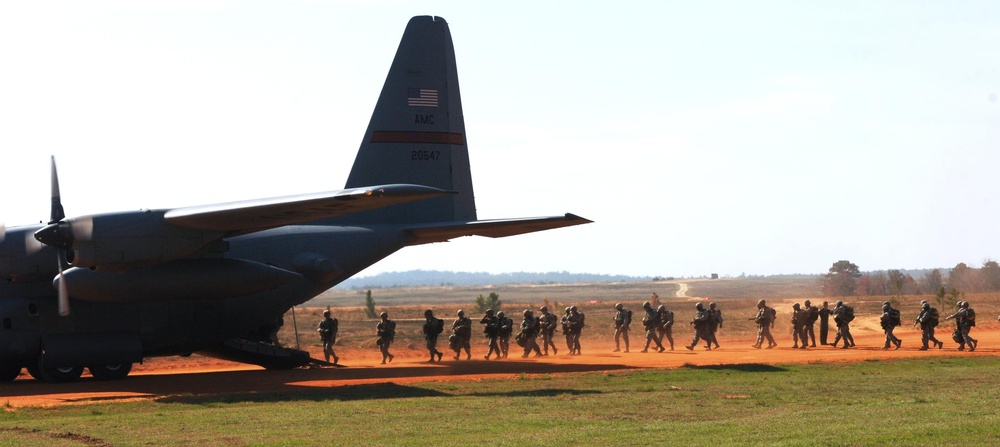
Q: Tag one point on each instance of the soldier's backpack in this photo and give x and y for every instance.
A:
(438, 325)
(894, 318)
(957, 336)
(582, 317)
(770, 314)
(847, 314)
(668, 319)
(970, 317)
(935, 317)
(628, 318)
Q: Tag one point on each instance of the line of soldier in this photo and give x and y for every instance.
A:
(658, 324)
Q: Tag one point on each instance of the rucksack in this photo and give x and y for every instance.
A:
(847, 314)
(628, 318)
(438, 326)
(582, 317)
(668, 318)
(770, 314)
(970, 317)
(935, 316)
(894, 318)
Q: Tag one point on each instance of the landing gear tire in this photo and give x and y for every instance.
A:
(9, 372)
(110, 372)
(55, 375)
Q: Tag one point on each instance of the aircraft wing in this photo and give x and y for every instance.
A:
(492, 228)
(261, 214)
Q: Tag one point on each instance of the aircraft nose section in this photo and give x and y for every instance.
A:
(53, 235)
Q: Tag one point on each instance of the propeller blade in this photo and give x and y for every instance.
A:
(57, 209)
(63, 294)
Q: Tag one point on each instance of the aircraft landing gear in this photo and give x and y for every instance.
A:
(9, 372)
(55, 375)
(110, 372)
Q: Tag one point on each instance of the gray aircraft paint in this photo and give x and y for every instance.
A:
(172, 282)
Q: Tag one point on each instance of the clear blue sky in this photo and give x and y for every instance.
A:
(725, 137)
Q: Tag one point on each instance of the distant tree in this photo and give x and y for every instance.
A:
(932, 281)
(964, 278)
(990, 275)
(370, 305)
(491, 302)
(896, 281)
(941, 294)
(842, 279)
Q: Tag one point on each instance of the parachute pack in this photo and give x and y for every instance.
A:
(847, 314)
(894, 318)
(628, 318)
(438, 326)
(935, 317)
(970, 317)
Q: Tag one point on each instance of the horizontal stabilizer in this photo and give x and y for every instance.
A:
(492, 228)
(256, 215)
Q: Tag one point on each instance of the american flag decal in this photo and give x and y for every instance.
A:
(422, 97)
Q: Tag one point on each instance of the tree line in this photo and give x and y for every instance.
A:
(845, 279)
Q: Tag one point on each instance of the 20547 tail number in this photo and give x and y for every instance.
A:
(425, 155)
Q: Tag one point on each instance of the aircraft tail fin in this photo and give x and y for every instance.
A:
(417, 131)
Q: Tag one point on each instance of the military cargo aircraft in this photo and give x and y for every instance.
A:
(105, 291)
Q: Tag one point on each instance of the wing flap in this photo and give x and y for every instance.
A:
(261, 214)
(492, 228)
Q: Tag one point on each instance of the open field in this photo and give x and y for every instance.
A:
(732, 396)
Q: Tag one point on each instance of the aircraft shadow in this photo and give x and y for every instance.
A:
(296, 384)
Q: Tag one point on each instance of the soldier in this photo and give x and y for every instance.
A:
(965, 318)
(492, 331)
(714, 323)
(665, 328)
(529, 331)
(576, 323)
(328, 334)
(462, 328)
(623, 318)
(433, 326)
(700, 322)
(824, 323)
(567, 332)
(547, 325)
(890, 319)
(765, 320)
(798, 320)
(506, 328)
(650, 321)
(843, 315)
(812, 314)
(928, 320)
(386, 332)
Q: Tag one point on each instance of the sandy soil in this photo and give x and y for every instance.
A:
(177, 378)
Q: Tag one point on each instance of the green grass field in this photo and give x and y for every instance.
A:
(941, 401)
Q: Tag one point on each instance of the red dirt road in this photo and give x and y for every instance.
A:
(165, 378)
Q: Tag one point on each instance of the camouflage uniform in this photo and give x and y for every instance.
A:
(529, 331)
(431, 325)
(492, 331)
(765, 320)
(812, 314)
(889, 323)
(622, 322)
(547, 323)
(700, 322)
(964, 325)
(506, 328)
(576, 319)
(927, 323)
(386, 332)
(842, 315)
(666, 326)
(714, 323)
(798, 320)
(328, 334)
(462, 327)
(650, 321)
(567, 331)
